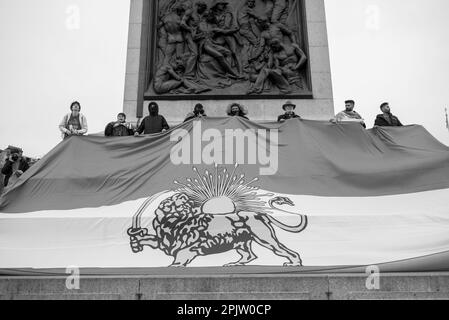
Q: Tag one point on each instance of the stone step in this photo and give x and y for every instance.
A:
(52, 296)
(230, 287)
(385, 295)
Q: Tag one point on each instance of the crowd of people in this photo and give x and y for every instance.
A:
(13, 164)
(75, 123)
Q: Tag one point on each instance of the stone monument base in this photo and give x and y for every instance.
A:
(259, 110)
(317, 104)
(421, 286)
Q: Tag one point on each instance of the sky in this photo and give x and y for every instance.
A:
(56, 51)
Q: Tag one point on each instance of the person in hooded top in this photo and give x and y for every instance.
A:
(154, 123)
(198, 113)
(237, 110)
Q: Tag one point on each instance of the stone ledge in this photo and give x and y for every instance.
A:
(50, 296)
(385, 295)
(224, 287)
(230, 296)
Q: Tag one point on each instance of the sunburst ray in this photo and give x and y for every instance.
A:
(223, 191)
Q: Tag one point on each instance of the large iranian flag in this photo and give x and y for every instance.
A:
(295, 197)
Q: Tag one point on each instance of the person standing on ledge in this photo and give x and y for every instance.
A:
(74, 123)
(349, 115)
(198, 113)
(154, 123)
(237, 110)
(119, 128)
(289, 108)
(387, 119)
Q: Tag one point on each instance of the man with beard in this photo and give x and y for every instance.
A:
(387, 119)
(154, 123)
(349, 114)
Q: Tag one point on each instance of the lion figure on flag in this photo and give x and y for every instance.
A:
(186, 229)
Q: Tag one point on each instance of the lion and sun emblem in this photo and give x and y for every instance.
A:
(215, 212)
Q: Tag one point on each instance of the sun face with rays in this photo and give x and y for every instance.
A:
(221, 192)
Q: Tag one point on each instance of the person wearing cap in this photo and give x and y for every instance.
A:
(198, 113)
(154, 123)
(349, 115)
(237, 110)
(387, 119)
(289, 109)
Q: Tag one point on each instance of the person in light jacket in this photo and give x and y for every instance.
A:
(73, 123)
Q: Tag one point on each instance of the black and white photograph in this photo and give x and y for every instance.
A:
(224, 151)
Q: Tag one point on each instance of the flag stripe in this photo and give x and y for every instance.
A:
(362, 235)
(315, 158)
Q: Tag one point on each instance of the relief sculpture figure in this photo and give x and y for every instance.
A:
(172, 78)
(283, 68)
(190, 23)
(226, 28)
(228, 47)
(172, 26)
(214, 66)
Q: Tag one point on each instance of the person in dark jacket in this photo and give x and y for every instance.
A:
(289, 109)
(15, 166)
(198, 112)
(387, 119)
(119, 128)
(154, 123)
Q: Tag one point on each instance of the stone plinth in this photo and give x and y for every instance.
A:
(320, 107)
(230, 287)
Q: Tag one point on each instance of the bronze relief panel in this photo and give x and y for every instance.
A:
(218, 49)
